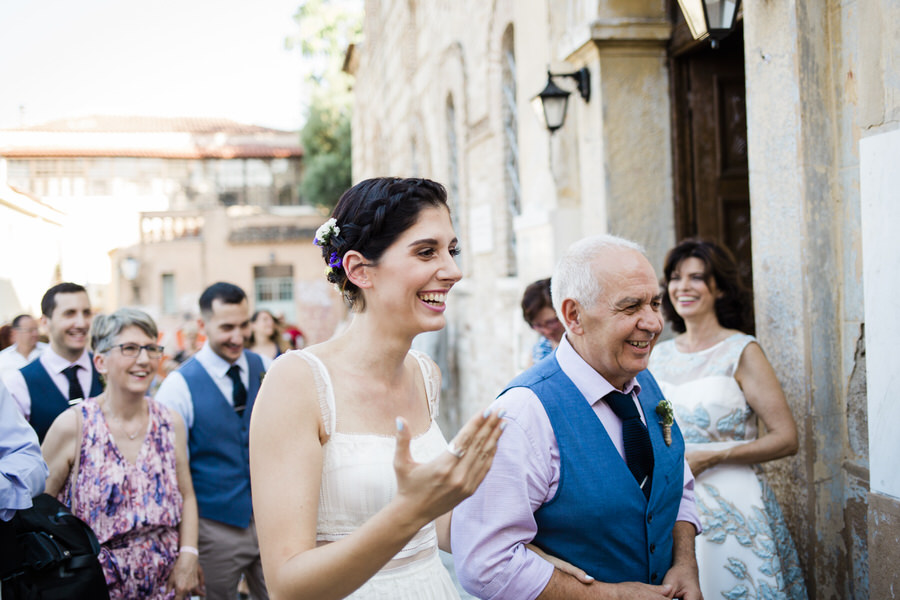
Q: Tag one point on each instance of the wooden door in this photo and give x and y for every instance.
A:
(712, 193)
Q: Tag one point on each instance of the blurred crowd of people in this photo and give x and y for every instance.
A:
(92, 390)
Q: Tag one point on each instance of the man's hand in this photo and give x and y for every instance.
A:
(631, 589)
(564, 566)
(685, 582)
(563, 586)
(683, 575)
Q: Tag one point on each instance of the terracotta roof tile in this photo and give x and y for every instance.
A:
(237, 151)
(149, 137)
(143, 124)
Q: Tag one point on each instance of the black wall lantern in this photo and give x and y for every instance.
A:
(710, 18)
(554, 100)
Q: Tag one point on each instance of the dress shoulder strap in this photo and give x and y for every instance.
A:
(432, 376)
(738, 342)
(324, 389)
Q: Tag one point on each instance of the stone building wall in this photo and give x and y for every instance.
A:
(820, 77)
(418, 57)
(818, 81)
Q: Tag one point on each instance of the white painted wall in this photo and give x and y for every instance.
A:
(880, 197)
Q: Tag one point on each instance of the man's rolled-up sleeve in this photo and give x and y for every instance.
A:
(489, 530)
(687, 510)
(23, 471)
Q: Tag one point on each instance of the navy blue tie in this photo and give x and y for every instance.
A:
(238, 392)
(638, 450)
(76, 394)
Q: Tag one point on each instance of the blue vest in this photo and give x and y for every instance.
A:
(47, 402)
(219, 442)
(599, 518)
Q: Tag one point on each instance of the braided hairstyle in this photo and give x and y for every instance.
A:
(371, 215)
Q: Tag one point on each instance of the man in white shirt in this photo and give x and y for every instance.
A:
(214, 392)
(64, 373)
(25, 347)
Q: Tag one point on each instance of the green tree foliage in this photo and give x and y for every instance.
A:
(326, 28)
(327, 160)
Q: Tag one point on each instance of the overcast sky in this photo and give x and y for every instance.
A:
(201, 58)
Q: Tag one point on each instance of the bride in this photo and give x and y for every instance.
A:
(353, 482)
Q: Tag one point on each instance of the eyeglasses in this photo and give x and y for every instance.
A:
(548, 324)
(132, 350)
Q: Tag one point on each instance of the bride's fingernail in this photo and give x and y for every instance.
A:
(399, 424)
(487, 413)
(502, 413)
(503, 425)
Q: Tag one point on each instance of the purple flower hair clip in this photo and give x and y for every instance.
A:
(334, 260)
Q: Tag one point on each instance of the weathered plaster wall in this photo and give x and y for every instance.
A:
(834, 68)
(884, 547)
(777, 215)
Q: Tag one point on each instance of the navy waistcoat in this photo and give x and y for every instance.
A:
(219, 443)
(47, 402)
(599, 518)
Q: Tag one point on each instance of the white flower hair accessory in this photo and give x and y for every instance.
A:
(327, 230)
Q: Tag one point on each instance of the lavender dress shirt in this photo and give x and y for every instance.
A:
(23, 471)
(491, 528)
(54, 364)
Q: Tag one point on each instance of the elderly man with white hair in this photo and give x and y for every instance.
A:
(587, 471)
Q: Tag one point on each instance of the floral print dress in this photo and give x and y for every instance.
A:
(134, 509)
(746, 550)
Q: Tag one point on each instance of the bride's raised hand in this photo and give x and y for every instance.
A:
(434, 488)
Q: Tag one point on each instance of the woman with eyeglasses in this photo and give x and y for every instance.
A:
(119, 461)
(537, 310)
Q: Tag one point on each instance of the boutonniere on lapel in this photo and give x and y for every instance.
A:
(666, 419)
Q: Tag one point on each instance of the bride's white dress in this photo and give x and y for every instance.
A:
(358, 480)
(745, 550)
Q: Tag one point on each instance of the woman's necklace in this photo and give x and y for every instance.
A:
(121, 423)
(130, 436)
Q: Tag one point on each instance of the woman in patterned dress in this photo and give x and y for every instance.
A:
(119, 461)
(719, 381)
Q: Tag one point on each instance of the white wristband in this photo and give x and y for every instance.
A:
(189, 550)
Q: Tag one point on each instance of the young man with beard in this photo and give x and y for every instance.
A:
(214, 392)
(64, 374)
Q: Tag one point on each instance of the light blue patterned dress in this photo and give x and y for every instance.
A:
(745, 550)
(541, 349)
